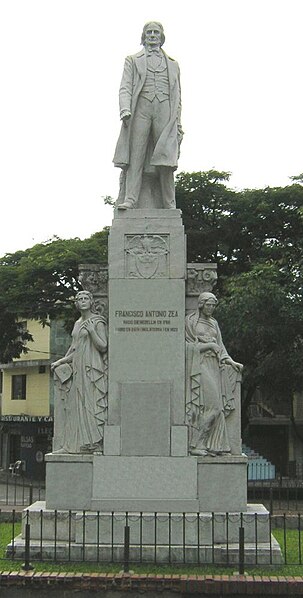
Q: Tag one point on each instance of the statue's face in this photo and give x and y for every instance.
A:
(83, 301)
(152, 35)
(208, 307)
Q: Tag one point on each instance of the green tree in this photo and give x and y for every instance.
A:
(262, 323)
(205, 202)
(238, 229)
(13, 337)
(40, 282)
(255, 236)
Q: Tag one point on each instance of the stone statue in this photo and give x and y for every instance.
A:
(150, 110)
(81, 384)
(211, 378)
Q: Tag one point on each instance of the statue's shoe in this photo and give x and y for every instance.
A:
(126, 205)
(199, 452)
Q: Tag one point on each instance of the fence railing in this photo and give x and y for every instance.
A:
(280, 495)
(227, 539)
(16, 490)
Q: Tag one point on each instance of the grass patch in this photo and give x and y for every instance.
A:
(291, 543)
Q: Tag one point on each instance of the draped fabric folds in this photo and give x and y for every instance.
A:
(86, 396)
(210, 386)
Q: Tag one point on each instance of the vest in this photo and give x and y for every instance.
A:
(156, 83)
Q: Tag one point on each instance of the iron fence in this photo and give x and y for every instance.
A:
(16, 490)
(226, 539)
(280, 495)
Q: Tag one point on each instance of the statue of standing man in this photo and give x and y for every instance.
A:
(150, 110)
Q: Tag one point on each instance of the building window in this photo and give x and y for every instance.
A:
(19, 387)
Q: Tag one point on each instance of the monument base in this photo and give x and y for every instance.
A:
(164, 537)
(157, 484)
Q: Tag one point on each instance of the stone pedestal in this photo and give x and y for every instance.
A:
(169, 537)
(146, 483)
(146, 465)
(146, 329)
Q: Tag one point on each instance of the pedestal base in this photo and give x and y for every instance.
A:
(176, 537)
(157, 484)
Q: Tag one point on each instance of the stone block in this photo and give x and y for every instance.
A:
(222, 483)
(46, 525)
(179, 441)
(145, 418)
(222, 528)
(68, 481)
(112, 440)
(145, 528)
(144, 484)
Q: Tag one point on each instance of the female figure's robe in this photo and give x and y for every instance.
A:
(210, 386)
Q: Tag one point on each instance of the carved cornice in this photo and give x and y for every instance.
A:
(200, 278)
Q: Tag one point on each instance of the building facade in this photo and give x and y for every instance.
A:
(275, 430)
(26, 416)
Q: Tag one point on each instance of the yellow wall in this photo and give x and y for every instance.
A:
(39, 347)
(37, 385)
(37, 392)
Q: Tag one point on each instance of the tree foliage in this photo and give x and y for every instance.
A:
(239, 229)
(40, 282)
(13, 337)
(262, 324)
(255, 236)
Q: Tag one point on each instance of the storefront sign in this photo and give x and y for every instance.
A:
(27, 418)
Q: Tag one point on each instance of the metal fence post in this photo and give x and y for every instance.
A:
(27, 565)
(31, 494)
(126, 549)
(241, 550)
(271, 508)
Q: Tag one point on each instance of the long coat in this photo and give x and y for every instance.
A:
(166, 151)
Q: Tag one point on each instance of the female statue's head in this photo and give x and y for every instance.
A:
(85, 300)
(207, 302)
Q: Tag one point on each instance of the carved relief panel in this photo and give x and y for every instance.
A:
(200, 277)
(146, 256)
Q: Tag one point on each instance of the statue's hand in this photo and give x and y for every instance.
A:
(209, 346)
(215, 348)
(125, 119)
(234, 364)
(55, 364)
(89, 326)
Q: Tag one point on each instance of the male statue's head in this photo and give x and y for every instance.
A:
(153, 34)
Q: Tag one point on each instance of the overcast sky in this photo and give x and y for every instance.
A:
(60, 70)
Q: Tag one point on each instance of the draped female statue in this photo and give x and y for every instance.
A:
(211, 378)
(81, 384)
